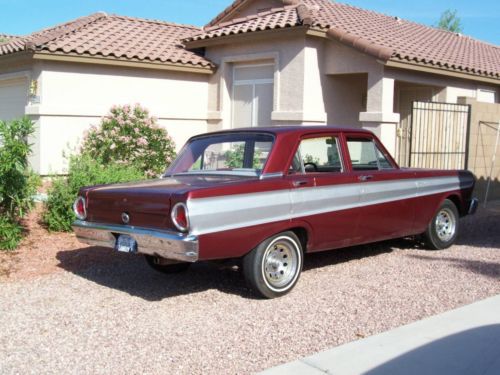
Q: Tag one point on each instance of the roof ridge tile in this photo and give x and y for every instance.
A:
(156, 21)
(236, 21)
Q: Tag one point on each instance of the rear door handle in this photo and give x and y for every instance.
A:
(299, 183)
(365, 178)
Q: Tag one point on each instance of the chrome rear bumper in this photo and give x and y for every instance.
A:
(474, 203)
(165, 244)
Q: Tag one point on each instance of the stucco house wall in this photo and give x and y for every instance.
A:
(80, 94)
(288, 56)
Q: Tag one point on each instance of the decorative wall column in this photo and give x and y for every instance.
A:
(379, 116)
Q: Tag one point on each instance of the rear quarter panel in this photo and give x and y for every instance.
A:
(454, 185)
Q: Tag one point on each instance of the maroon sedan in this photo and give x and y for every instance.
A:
(268, 196)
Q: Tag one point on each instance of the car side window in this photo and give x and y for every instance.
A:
(317, 155)
(365, 155)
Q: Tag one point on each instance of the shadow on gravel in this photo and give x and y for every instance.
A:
(332, 257)
(130, 274)
(480, 230)
(488, 269)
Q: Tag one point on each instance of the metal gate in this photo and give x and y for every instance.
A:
(439, 135)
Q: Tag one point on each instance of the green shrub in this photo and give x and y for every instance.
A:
(84, 170)
(10, 233)
(235, 156)
(129, 135)
(17, 182)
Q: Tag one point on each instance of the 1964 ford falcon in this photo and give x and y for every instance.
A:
(269, 196)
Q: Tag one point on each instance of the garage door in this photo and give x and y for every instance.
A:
(13, 98)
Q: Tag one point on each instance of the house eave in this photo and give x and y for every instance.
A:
(415, 66)
(188, 68)
(441, 71)
(18, 57)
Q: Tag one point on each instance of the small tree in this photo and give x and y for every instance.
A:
(17, 182)
(128, 135)
(450, 21)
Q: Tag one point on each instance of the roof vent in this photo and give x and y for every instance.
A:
(459, 35)
(398, 19)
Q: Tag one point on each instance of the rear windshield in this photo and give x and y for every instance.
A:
(235, 153)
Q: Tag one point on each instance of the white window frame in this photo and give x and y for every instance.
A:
(253, 83)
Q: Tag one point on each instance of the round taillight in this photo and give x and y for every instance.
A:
(80, 209)
(180, 217)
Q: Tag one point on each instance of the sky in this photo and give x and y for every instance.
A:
(480, 18)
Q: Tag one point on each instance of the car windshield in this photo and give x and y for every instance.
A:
(232, 153)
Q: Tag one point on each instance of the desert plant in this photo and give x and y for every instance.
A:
(84, 170)
(130, 136)
(18, 183)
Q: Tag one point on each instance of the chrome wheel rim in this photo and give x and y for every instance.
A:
(281, 263)
(445, 224)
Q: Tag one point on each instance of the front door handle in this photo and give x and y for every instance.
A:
(365, 178)
(299, 183)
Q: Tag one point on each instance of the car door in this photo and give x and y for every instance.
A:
(322, 193)
(387, 193)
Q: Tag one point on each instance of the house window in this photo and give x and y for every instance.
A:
(486, 96)
(252, 95)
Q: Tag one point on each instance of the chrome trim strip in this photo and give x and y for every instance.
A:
(215, 214)
(267, 176)
(165, 244)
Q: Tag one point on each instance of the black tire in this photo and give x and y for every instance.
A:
(273, 268)
(442, 231)
(153, 262)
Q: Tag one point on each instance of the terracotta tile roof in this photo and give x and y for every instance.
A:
(277, 18)
(102, 35)
(7, 36)
(383, 36)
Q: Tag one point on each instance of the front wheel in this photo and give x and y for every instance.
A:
(273, 268)
(442, 231)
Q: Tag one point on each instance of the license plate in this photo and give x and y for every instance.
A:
(126, 244)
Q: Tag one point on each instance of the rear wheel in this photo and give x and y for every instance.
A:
(442, 231)
(273, 268)
(165, 266)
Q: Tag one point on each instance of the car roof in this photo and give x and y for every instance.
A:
(298, 129)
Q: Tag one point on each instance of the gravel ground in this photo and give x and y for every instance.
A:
(119, 316)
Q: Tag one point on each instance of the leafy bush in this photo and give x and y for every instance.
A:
(10, 233)
(129, 135)
(235, 156)
(17, 182)
(84, 170)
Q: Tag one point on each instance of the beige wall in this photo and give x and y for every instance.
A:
(75, 96)
(485, 120)
(452, 88)
(346, 98)
(287, 53)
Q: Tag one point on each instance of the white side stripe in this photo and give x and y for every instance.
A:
(209, 215)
